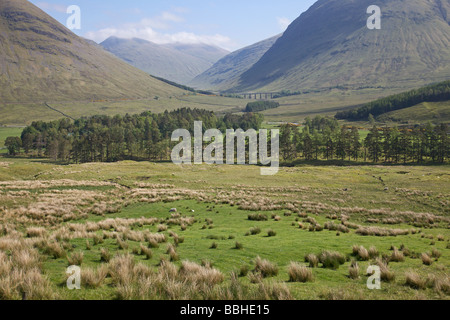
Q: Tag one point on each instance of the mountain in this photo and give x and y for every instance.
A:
(207, 53)
(41, 60)
(330, 46)
(175, 62)
(225, 72)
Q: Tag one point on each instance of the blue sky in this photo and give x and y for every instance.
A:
(230, 24)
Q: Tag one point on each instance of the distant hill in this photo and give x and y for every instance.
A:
(330, 46)
(225, 72)
(176, 62)
(41, 60)
(439, 92)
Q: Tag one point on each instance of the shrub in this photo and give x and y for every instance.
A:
(331, 259)
(397, 256)
(353, 270)
(123, 245)
(255, 277)
(171, 251)
(257, 217)
(145, 251)
(54, 249)
(98, 239)
(271, 233)
(426, 259)
(313, 260)
(373, 252)
(441, 283)
(196, 274)
(238, 246)
(255, 230)
(363, 254)
(76, 259)
(93, 279)
(299, 273)
(414, 281)
(153, 244)
(265, 268)
(105, 255)
(162, 228)
(244, 270)
(213, 246)
(435, 253)
(386, 274)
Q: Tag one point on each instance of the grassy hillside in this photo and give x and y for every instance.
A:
(330, 46)
(439, 92)
(132, 200)
(43, 61)
(23, 114)
(225, 72)
(428, 111)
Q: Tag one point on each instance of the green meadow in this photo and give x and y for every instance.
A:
(121, 207)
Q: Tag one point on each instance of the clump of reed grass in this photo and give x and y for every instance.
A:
(299, 273)
(265, 268)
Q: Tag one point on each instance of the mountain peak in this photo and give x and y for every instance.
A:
(330, 45)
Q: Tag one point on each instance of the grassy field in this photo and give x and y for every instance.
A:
(422, 113)
(292, 109)
(12, 114)
(52, 213)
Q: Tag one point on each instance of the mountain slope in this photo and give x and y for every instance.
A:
(225, 72)
(175, 62)
(329, 45)
(41, 60)
(208, 53)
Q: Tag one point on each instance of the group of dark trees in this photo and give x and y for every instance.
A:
(147, 137)
(324, 139)
(433, 93)
(105, 139)
(260, 106)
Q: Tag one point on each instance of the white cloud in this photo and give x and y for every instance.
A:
(151, 29)
(148, 33)
(283, 23)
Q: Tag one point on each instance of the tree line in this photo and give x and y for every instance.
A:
(433, 93)
(147, 137)
(324, 139)
(259, 106)
(105, 139)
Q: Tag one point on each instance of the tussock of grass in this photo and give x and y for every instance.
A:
(331, 259)
(397, 256)
(258, 217)
(414, 280)
(105, 255)
(76, 259)
(313, 260)
(265, 268)
(353, 270)
(426, 259)
(299, 273)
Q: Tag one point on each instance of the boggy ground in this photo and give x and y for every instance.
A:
(306, 233)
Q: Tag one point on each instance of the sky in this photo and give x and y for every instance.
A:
(229, 24)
